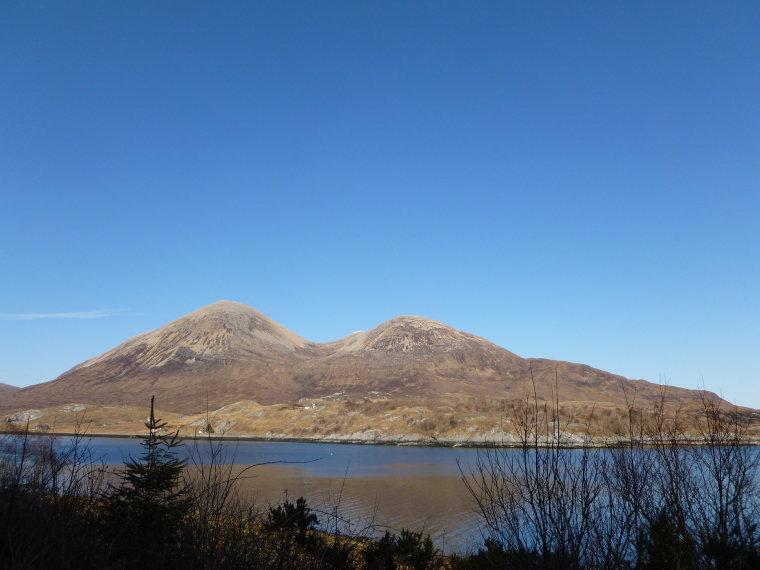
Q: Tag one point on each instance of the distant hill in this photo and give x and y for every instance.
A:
(7, 387)
(229, 352)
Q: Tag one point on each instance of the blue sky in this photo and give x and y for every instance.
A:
(578, 181)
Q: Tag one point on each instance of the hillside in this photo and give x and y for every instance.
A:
(229, 352)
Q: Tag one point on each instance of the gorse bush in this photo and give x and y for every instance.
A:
(666, 544)
(289, 516)
(408, 549)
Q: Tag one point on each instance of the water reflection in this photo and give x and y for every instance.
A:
(413, 487)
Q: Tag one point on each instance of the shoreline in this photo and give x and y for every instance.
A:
(601, 443)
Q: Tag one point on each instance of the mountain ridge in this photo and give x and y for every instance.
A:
(228, 352)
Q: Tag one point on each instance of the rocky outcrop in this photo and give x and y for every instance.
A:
(25, 416)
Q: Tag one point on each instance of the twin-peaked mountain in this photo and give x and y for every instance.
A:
(229, 352)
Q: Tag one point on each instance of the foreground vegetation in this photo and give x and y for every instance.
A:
(659, 502)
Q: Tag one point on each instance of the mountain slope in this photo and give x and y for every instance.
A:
(228, 352)
(411, 356)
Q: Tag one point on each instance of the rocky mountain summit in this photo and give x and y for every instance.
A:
(229, 352)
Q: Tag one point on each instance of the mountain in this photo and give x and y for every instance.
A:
(420, 357)
(224, 351)
(7, 387)
(408, 356)
(229, 352)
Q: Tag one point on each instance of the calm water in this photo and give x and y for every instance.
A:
(390, 486)
(315, 459)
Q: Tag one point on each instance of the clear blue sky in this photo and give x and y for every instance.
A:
(577, 181)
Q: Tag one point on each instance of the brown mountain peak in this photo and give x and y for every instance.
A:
(238, 318)
(222, 331)
(414, 321)
(225, 305)
(409, 333)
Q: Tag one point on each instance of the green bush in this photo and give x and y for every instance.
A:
(406, 550)
(289, 516)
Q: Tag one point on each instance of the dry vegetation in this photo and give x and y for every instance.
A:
(657, 502)
(383, 420)
(683, 492)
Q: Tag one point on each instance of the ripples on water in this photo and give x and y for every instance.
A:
(395, 486)
(391, 486)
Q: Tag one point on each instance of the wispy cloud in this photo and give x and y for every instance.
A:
(97, 314)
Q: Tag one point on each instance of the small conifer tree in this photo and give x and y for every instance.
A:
(147, 509)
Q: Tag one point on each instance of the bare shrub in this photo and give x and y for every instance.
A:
(542, 497)
(681, 492)
(48, 490)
